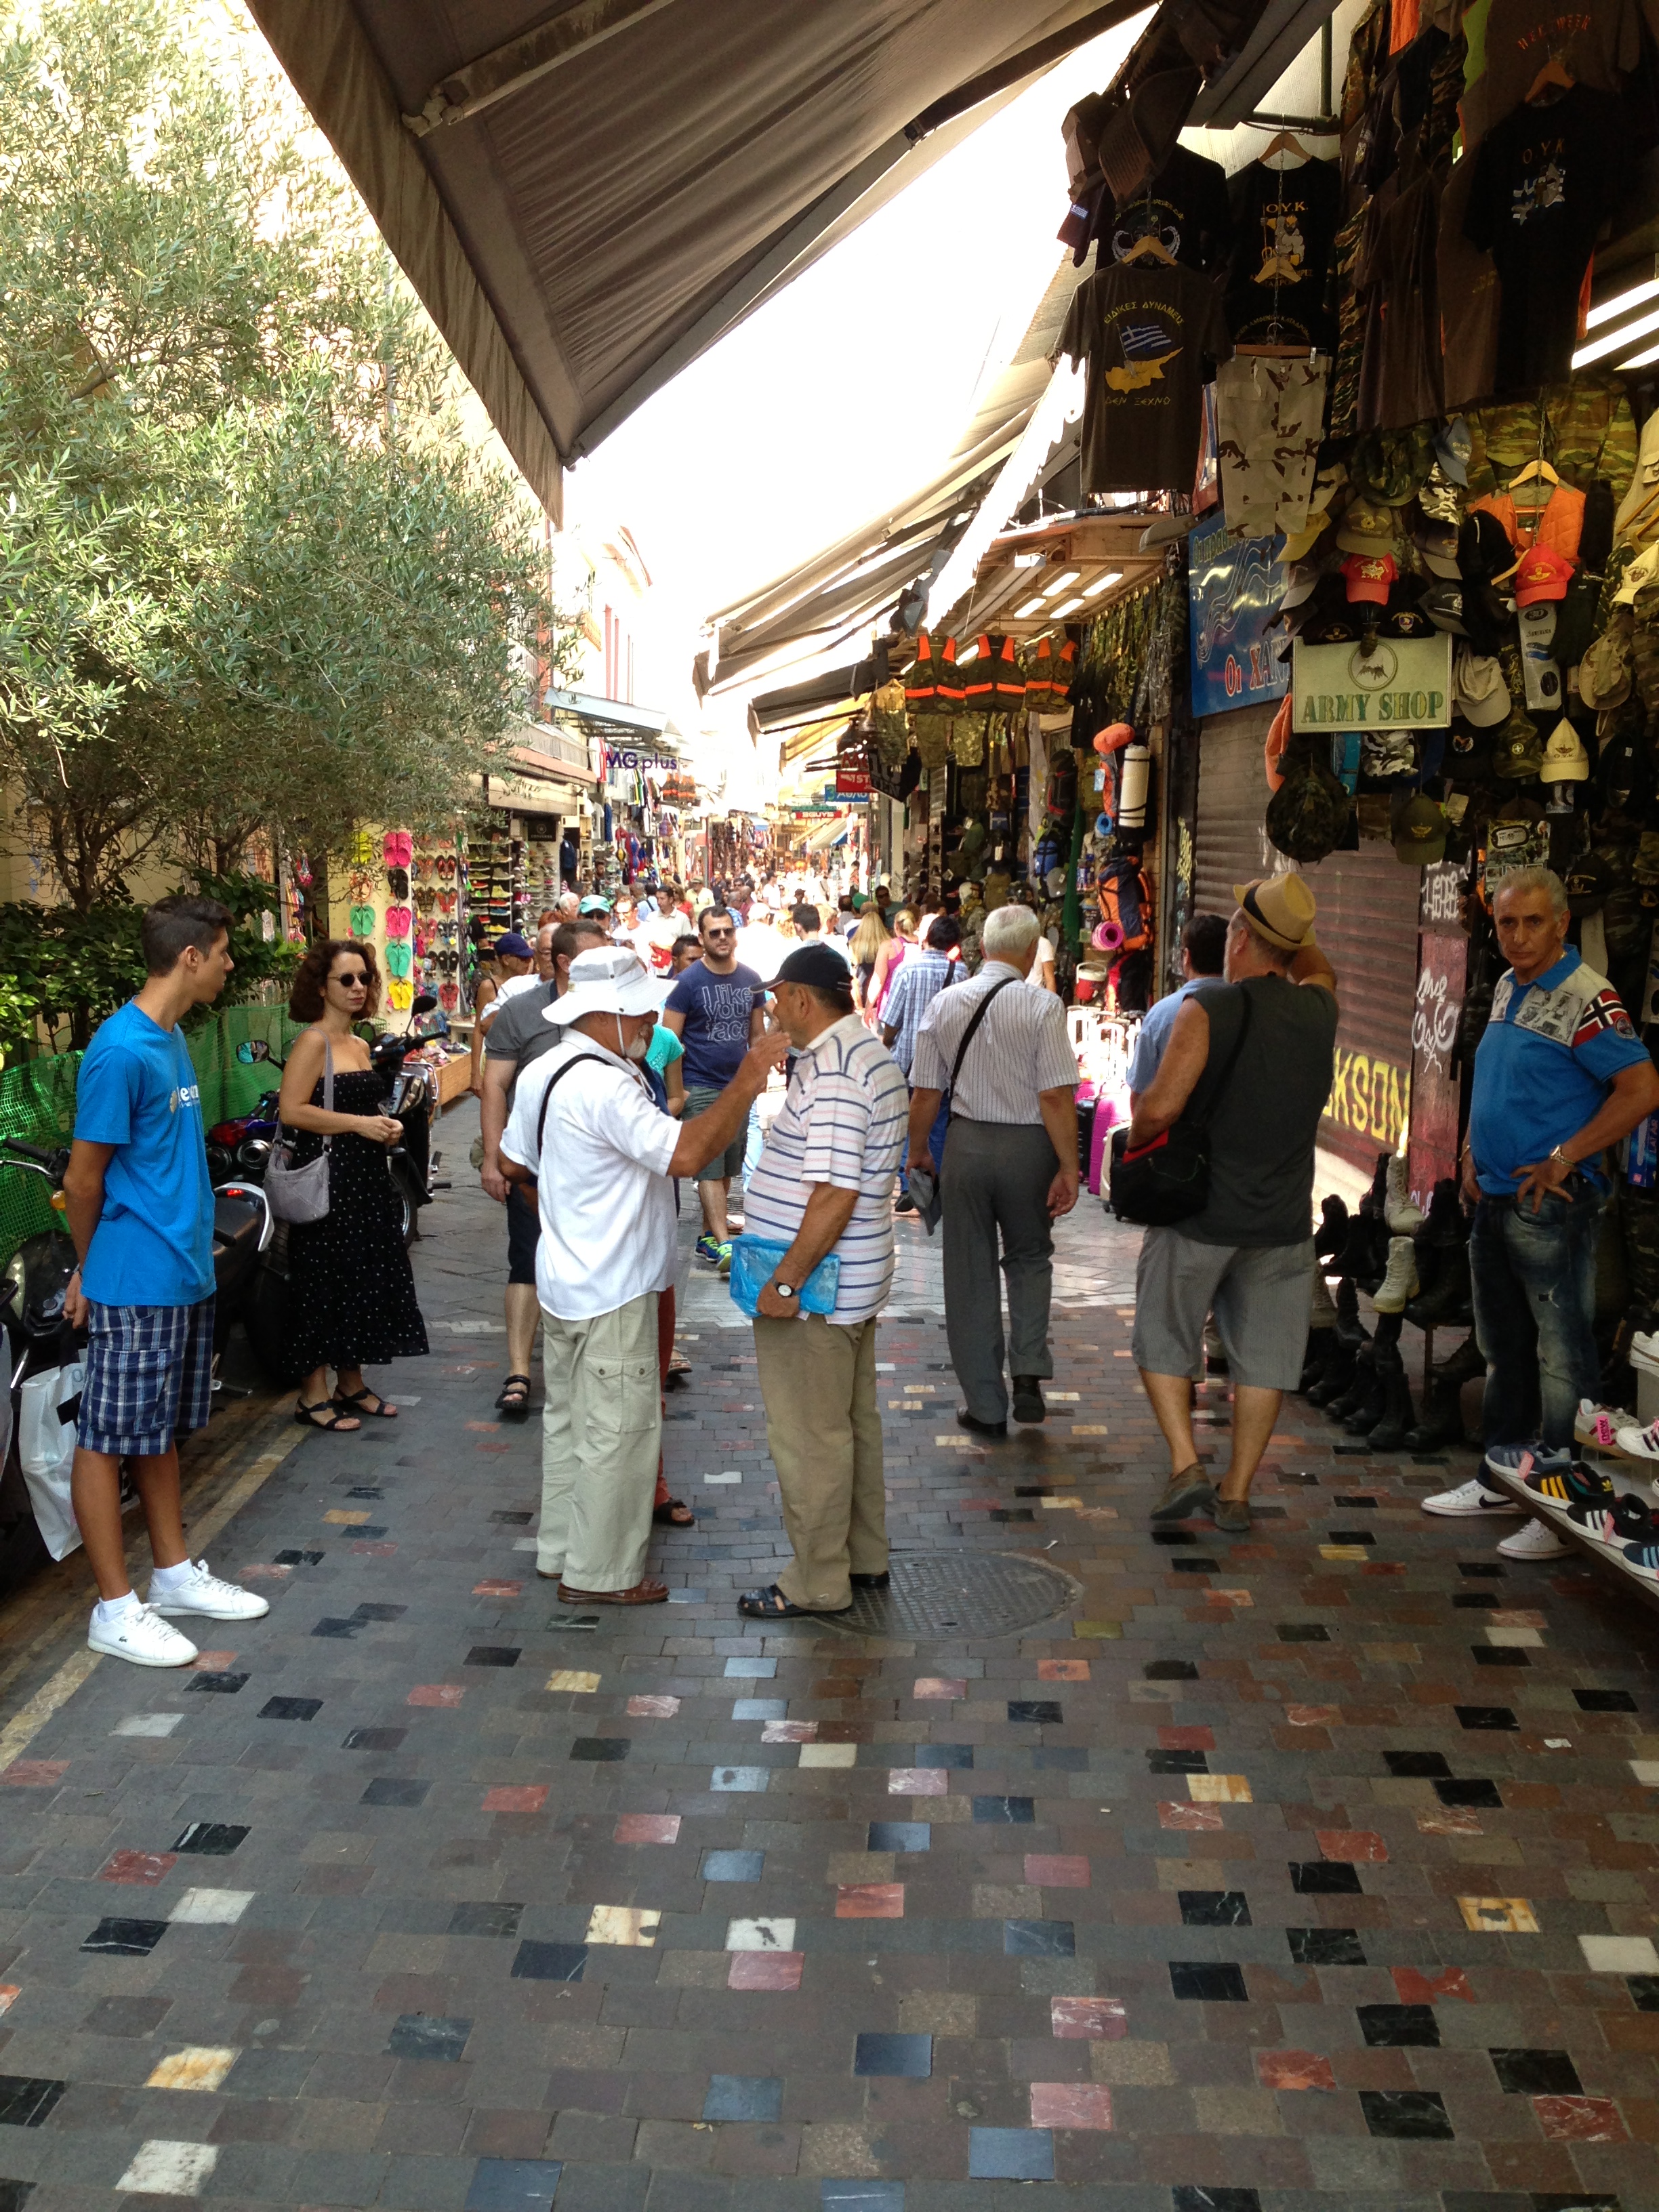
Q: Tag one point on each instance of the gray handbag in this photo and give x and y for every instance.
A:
(301, 1194)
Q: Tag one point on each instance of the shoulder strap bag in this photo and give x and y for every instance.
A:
(929, 1199)
(301, 1194)
(582, 1058)
(975, 1018)
(1168, 1180)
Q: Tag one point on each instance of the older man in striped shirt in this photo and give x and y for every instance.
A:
(999, 1047)
(823, 1185)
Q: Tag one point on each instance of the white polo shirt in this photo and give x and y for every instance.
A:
(605, 1199)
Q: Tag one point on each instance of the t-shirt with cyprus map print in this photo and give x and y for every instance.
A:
(1150, 335)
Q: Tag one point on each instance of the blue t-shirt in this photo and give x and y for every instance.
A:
(1156, 1025)
(137, 1089)
(1546, 1060)
(716, 1032)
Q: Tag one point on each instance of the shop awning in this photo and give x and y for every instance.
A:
(827, 834)
(587, 198)
(840, 593)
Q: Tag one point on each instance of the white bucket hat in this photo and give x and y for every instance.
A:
(1479, 692)
(608, 979)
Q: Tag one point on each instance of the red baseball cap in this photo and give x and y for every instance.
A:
(1541, 576)
(1370, 576)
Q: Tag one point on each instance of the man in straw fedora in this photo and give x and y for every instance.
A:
(1249, 1254)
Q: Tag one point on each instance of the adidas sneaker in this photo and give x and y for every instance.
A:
(1574, 1485)
(1597, 1425)
(1534, 1458)
(1638, 1444)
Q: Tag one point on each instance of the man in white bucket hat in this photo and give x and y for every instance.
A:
(587, 1132)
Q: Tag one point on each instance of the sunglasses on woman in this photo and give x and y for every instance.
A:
(350, 977)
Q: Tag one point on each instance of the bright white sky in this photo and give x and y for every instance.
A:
(848, 389)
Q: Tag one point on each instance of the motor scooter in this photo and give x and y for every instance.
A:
(37, 1334)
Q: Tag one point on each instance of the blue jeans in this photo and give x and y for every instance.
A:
(1533, 1279)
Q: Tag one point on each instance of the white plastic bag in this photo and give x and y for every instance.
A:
(45, 1449)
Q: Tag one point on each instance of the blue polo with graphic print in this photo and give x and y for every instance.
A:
(1549, 1052)
(137, 1089)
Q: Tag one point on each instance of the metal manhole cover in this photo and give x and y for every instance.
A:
(959, 1593)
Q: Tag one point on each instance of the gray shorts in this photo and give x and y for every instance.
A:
(1260, 1295)
(698, 1100)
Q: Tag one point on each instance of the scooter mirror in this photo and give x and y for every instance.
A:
(250, 1053)
(424, 1002)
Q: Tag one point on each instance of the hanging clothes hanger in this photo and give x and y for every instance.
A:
(1285, 142)
(1149, 247)
(1554, 79)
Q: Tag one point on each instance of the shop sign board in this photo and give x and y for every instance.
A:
(1400, 683)
(1235, 587)
(853, 773)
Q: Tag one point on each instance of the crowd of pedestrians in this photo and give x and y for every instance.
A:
(626, 1052)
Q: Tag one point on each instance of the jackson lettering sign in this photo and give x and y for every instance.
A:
(1370, 1096)
(1400, 683)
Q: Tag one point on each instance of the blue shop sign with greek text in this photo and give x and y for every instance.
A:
(1236, 586)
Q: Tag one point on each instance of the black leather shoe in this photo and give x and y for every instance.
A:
(967, 1420)
(1028, 1404)
(871, 1582)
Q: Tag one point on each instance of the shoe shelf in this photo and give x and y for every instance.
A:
(1612, 1564)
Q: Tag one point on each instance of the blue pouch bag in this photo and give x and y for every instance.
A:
(754, 1263)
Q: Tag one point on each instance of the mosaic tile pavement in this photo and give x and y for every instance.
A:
(1312, 1868)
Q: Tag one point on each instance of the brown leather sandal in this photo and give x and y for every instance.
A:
(645, 1593)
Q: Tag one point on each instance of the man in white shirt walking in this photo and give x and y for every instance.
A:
(824, 1184)
(587, 1132)
(1000, 1046)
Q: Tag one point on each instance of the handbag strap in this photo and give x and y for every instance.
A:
(1197, 1124)
(557, 1077)
(977, 1016)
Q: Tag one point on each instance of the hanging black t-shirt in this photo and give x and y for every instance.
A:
(1546, 179)
(1278, 274)
(1150, 333)
(1184, 207)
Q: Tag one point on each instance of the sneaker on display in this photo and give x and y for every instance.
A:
(1645, 1558)
(1573, 1485)
(142, 1636)
(1400, 1283)
(1598, 1426)
(1470, 1499)
(1535, 1541)
(1600, 1524)
(1638, 1444)
(1647, 1343)
(192, 1588)
(1399, 1210)
(1522, 1460)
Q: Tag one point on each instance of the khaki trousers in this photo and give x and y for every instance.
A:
(601, 1430)
(818, 1381)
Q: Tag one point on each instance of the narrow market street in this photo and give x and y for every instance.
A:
(1246, 1870)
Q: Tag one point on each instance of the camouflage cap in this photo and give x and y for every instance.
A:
(1517, 753)
(1308, 812)
(1388, 465)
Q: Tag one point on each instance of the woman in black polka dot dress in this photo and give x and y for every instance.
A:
(351, 1290)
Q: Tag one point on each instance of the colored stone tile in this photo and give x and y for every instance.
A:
(939, 1686)
(790, 1732)
(647, 1828)
(899, 1836)
(625, 1925)
(163, 2168)
(516, 1797)
(443, 1694)
(1218, 1790)
(1293, 2069)
(1070, 2105)
(1056, 1872)
(1499, 1915)
(1063, 1670)
(574, 1680)
(1095, 2020)
(828, 1755)
(196, 2068)
(1580, 2119)
(653, 1709)
(143, 1870)
(743, 2097)
(905, 2057)
(772, 1934)
(513, 2184)
(765, 1970)
(1619, 1954)
(1359, 1846)
(732, 1866)
(870, 1901)
(1199, 1818)
(1010, 2155)
(35, 1773)
(1417, 1988)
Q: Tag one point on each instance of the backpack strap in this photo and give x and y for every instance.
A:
(1201, 1122)
(559, 1074)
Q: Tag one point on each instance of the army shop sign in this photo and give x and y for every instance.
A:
(1398, 683)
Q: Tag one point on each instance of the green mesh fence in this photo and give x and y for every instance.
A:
(37, 1106)
(37, 1102)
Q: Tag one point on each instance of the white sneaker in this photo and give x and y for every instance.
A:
(142, 1636)
(1638, 1444)
(1472, 1498)
(205, 1594)
(1598, 1426)
(1535, 1541)
(1401, 1213)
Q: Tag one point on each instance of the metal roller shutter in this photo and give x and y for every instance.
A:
(1368, 906)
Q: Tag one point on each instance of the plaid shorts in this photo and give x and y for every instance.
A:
(149, 1377)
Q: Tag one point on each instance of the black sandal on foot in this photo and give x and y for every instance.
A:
(357, 1401)
(771, 1604)
(514, 1398)
(871, 1582)
(305, 1415)
(673, 1513)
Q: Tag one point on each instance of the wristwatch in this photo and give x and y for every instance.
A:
(784, 1289)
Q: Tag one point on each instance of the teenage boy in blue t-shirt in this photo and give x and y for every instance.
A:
(140, 1210)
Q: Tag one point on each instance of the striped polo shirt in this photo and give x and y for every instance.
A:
(1022, 1047)
(843, 1123)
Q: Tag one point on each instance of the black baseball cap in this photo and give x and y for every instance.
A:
(816, 965)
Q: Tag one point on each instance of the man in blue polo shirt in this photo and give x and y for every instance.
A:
(1560, 1075)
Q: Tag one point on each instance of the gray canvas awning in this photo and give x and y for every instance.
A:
(587, 198)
